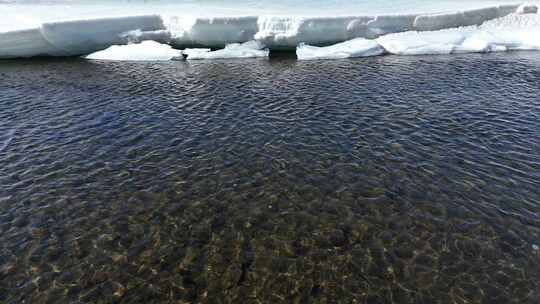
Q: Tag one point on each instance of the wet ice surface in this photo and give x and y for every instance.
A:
(385, 179)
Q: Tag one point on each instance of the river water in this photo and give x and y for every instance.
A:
(379, 180)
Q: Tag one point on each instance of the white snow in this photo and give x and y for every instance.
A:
(195, 52)
(513, 32)
(27, 43)
(69, 38)
(138, 36)
(32, 13)
(423, 43)
(517, 31)
(250, 49)
(286, 32)
(84, 36)
(210, 32)
(404, 27)
(527, 8)
(431, 22)
(144, 51)
(358, 47)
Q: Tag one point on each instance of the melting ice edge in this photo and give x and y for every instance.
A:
(494, 28)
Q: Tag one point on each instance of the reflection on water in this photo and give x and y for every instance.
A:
(381, 180)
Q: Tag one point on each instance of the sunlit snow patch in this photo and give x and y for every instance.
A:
(424, 43)
(358, 47)
(250, 49)
(513, 32)
(144, 51)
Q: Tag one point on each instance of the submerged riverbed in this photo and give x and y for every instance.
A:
(380, 180)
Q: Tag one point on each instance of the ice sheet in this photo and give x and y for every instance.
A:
(286, 32)
(69, 38)
(66, 28)
(250, 49)
(358, 47)
(144, 51)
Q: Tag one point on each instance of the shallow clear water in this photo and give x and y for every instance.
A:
(381, 180)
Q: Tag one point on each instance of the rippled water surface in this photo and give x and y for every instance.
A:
(381, 180)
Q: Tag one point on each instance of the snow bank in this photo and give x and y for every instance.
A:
(284, 32)
(527, 8)
(517, 31)
(432, 22)
(251, 49)
(144, 51)
(358, 47)
(513, 32)
(27, 43)
(138, 36)
(423, 43)
(211, 32)
(421, 33)
(69, 38)
(84, 36)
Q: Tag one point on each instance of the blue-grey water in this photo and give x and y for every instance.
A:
(379, 180)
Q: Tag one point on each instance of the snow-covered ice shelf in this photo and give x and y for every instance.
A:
(512, 32)
(285, 32)
(69, 38)
(79, 28)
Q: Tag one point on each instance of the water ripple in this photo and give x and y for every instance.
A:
(388, 179)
